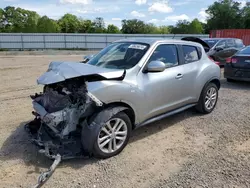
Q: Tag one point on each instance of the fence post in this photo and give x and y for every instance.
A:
(0, 43)
(85, 36)
(65, 43)
(106, 40)
(44, 43)
(22, 41)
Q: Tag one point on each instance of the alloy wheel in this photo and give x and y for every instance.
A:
(112, 135)
(211, 98)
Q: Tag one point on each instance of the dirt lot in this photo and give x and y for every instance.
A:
(186, 150)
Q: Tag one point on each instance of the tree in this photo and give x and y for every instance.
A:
(47, 25)
(224, 14)
(69, 23)
(86, 26)
(113, 29)
(99, 25)
(30, 25)
(164, 30)
(133, 26)
(150, 29)
(246, 16)
(195, 27)
(182, 27)
(20, 20)
(2, 26)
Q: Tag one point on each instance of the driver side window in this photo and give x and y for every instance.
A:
(167, 53)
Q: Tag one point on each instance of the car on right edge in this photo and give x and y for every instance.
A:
(237, 67)
(218, 49)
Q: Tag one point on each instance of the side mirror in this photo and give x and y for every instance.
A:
(156, 66)
(87, 58)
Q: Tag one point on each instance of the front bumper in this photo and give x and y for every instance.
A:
(50, 144)
(60, 132)
(236, 73)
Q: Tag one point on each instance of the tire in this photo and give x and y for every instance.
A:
(230, 80)
(201, 106)
(98, 151)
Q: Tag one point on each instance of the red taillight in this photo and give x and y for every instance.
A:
(234, 60)
(229, 60)
(217, 63)
(210, 58)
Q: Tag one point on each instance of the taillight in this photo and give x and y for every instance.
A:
(229, 60)
(210, 58)
(234, 60)
(217, 63)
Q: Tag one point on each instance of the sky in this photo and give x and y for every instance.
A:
(158, 12)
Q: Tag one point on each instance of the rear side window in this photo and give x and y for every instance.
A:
(239, 43)
(167, 53)
(221, 44)
(230, 43)
(190, 54)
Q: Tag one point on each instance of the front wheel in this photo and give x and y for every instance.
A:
(113, 136)
(208, 99)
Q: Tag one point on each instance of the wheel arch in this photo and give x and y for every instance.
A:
(216, 81)
(129, 111)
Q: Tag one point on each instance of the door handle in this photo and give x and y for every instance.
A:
(179, 76)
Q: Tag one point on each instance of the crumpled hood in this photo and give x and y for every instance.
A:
(60, 71)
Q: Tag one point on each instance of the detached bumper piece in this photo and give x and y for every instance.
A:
(58, 113)
(44, 176)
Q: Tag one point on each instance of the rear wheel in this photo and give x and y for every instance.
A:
(113, 136)
(208, 99)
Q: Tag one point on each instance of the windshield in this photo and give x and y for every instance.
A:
(120, 55)
(245, 51)
(211, 42)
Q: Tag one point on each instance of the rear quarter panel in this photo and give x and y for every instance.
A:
(207, 72)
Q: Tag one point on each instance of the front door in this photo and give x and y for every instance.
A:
(163, 91)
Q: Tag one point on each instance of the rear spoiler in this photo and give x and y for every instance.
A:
(198, 40)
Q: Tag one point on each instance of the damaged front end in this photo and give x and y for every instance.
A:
(59, 111)
(65, 105)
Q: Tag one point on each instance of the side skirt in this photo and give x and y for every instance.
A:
(162, 116)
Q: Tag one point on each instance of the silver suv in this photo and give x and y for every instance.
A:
(91, 109)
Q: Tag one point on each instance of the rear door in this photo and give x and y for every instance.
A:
(191, 65)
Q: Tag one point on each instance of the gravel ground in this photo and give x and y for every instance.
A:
(185, 150)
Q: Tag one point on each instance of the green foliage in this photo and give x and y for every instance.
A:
(47, 25)
(19, 20)
(112, 29)
(134, 26)
(224, 14)
(164, 30)
(196, 27)
(86, 26)
(69, 23)
(99, 25)
(246, 16)
(1, 20)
